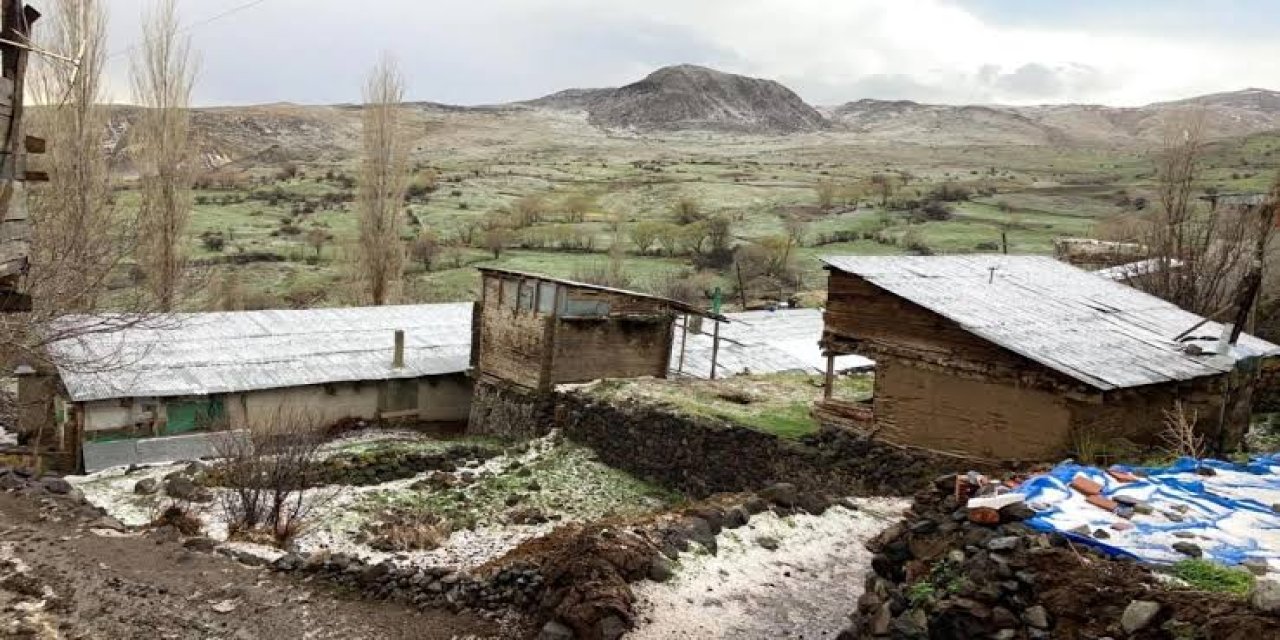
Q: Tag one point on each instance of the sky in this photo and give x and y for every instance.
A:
(1117, 52)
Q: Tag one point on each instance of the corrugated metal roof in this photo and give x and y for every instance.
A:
(762, 342)
(1103, 333)
(674, 304)
(206, 353)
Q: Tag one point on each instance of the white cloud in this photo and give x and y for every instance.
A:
(828, 50)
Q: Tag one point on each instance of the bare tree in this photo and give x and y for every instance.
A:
(826, 192)
(268, 472)
(384, 179)
(79, 241)
(163, 74)
(1200, 254)
(883, 184)
(426, 248)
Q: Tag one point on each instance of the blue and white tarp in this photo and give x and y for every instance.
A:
(1229, 514)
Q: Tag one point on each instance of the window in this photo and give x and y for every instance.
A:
(585, 308)
(547, 297)
(526, 294)
(509, 292)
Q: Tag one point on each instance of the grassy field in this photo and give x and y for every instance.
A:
(289, 241)
(775, 403)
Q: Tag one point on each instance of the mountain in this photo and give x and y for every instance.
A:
(1227, 115)
(689, 97)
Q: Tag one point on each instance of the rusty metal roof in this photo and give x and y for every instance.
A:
(1100, 332)
(206, 353)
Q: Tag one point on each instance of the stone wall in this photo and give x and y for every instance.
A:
(701, 457)
(509, 412)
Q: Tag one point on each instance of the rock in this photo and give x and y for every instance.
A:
(514, 499)
(1128, 501)
(1138, 615)
(1036, 616)
(1188, 549)
(555, 631)
(1266, 595)
(146, 487)
(1004, 543)
(1101, 534)
(289, 562)
(1016, 512)
(1256, 566)
(767, 542)
(224, 606)
(783, 494)
(661, 569)
(735, 518)
(54, 484)
(612, 628)
(107, 522)
(180, 487)
(883, 619)
(924, 527)
(754, 505)
(1206, 471)
(10, 481)
(201, 544)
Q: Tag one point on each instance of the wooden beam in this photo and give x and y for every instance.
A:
(684, 339)
(715, 349)
(828, 385)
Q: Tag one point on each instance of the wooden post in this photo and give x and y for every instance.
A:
(397, 358)
(828, 385)
(715, 348)
(1004, 241)
(684, 339)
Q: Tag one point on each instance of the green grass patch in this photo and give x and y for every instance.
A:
(1204, 575)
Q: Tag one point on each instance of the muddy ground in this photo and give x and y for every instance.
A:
(62, 577)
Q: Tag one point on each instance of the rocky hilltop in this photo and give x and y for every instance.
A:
(689, 97)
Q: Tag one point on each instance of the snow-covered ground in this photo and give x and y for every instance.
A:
(345, 510)
(806, 588)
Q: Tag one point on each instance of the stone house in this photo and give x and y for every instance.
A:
(1019, 357)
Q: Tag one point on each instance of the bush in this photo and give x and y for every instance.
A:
(213, 240)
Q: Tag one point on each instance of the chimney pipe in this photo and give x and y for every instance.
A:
(1224, 342)
(397, 361)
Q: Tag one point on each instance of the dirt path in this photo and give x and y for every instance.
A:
(62, 578)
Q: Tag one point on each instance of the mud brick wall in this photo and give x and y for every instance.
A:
(700, 457)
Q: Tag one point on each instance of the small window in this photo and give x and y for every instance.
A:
(509, 292)
(580, 308)
(526, 294)
(546, 297)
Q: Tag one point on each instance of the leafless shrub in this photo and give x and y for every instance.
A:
(1180, 437)
(180, 515)
(266, 473)
(409, 532)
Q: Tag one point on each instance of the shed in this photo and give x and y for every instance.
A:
(1016, 357)
(179, 373)
(535, 331)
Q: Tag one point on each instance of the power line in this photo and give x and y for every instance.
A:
(229, 12)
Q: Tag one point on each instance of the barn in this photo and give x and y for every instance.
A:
(178, 375)
(1022, 357)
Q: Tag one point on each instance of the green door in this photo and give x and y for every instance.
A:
(186, 416)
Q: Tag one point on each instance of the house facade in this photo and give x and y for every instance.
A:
(189, 373)
(1018, 357)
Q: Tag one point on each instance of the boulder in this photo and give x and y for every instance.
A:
(783, 494)
(180, 487)
(555, 631)
(201, 544)
(1188, 549)
(1138, 615)
(1037, 617)
(146, 487)
(1266, 595)
(767, 542)
(661, 569)
(54, 484)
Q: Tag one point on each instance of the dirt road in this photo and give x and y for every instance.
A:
(62, 577)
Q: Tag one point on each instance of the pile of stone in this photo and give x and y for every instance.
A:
(25, 480)
(963, 565)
